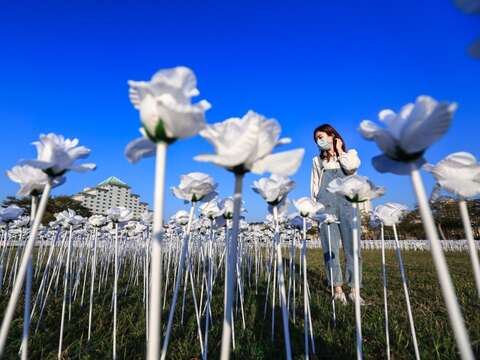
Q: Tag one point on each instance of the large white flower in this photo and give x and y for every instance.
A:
(226, 205)
(69, 218)
(296, 222)
(147, 217)
(246, 144)
(97, 220)
(408, 134)
(458, 173)
(119, 214)
(308, 207)
(389, 213)
(195, 186)
(10, 213)
(22, 222)
(273, 189)
(355, 188)
(165, 106)
(181, 217)
(32, 180)
(326, 218)
(282, 212)
(57, 155)
(211, 209)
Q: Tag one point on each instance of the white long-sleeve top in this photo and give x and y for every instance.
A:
(348, 161)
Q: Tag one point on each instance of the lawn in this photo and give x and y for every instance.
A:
(255, 342)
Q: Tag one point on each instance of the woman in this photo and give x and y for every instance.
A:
(335, 161)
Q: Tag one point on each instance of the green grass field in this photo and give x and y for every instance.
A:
(433, 332)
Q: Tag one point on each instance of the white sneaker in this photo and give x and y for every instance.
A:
(351, 296)
(340, 297)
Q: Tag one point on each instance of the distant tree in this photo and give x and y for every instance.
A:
(54, 205)
(447, 218)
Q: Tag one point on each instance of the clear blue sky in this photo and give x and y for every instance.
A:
(65, 65)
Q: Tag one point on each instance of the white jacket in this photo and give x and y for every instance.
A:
(348, 161)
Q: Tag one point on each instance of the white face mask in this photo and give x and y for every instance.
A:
(323, 144)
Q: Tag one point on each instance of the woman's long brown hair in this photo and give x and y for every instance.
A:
(330, 131)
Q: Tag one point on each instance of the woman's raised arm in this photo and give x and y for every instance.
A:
(350, 161)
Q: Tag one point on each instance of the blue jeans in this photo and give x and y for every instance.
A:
(342, 208)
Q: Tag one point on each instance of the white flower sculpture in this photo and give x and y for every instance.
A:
(389, 213)
(32, 180)
(166, 110)
(195, 186)
(181, 217)
(246, 144)
(23, 221)
(308, 207)
(211, 209)
(69, 218)
(97, 220)
(273, 189)
(458, 173)
(355, 188)
(408, 133)
(119, 214)
(326, 218)
(57, 155)
(10, 213)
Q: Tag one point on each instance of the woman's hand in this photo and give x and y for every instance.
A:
(339, 146)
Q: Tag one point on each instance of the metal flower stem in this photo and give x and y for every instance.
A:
(356, 276)
(155, 315)
(446, 285)
(28, 292)
(305, 292)
(178, 280)
(115, 288)
(467, 225)
(12, 302)
(385, 303)
(65, 287)
(209, 290)
(407, 297)
(230, 273)
(274, 284)
(92, 282)
(281, 284)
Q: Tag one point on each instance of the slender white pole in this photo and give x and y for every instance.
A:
(385, 303)
(231, 265)
(115, 286)
(28, 292)
(155, 315)
(65, 287)
(92, 284)
(305, 285)
(281, 283)
(12, 302)
(446, 285)
(356, 277)
(467, 225)
(180, 270)
(407, 296)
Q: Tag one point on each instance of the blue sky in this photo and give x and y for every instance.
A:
(65, 66)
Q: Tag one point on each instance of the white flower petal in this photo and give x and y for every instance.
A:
(384, 164)
(139, 148)
(427, 125)
(285, 163)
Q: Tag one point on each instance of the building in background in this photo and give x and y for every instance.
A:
(111, 192)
